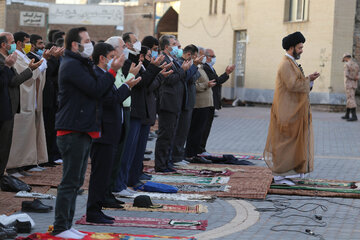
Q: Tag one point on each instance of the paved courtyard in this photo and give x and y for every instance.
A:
(243, 130)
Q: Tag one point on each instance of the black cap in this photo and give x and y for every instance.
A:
(292, 40)
(142, 201)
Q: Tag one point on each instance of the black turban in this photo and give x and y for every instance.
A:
(292, 40)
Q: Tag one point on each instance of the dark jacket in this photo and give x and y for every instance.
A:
(139, 105)
(217, 88)
(111, 120)
(192, 75)
(13, 85)
(80, 94)
(5, 104)
(172, 89)
(50, 90)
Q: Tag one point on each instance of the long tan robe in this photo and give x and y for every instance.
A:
(28, 143)
(290, 143)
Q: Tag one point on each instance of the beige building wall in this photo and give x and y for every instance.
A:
(328, 31)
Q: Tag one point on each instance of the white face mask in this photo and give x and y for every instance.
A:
(126, 53)
(137, 46)
(88, 50)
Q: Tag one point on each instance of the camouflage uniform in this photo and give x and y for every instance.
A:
(351, 73)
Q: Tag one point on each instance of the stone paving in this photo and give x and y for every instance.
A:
(244, 130)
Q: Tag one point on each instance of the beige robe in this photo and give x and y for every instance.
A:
(351, 73)
(289, 147)
(28, 143)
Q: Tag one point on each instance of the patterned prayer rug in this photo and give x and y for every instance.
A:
(203, 188)
(190, 179)
(319, 187)
(192, 172)
(239, 157)
(105, 236)
(199, 208)
(152, 223)
(174, 196)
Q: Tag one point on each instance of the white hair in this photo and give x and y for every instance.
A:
(114, 41)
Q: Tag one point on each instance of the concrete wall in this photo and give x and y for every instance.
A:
(328, 31)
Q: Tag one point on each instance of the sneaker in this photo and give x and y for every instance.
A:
(17, 175)
(131, 191)
(184, 161)
(36, 169)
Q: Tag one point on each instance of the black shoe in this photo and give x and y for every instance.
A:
(97, 218)
(48, 164)
(112, 205)
(9, 233)
(22, 227)
(35, 206)
(353, 115)
(113, 200)
(147, 159)
(148, 151)
(145, 177)
(106, 216)
(346, 116)
(81, 191)
(201, 160)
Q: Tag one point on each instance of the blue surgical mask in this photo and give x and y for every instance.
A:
(40, 52)
(213, 61)
(179, 53)
(154, 54)
(12, 49)
(174, 51)
(203, 60)
(109, 64)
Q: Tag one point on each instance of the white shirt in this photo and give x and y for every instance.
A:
(42, 67)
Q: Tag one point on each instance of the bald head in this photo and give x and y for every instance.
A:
(6, 39)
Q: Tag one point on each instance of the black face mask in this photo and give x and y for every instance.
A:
(146, 63)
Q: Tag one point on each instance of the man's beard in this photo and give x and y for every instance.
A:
(296, 56)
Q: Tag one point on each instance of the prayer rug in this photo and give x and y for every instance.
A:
(104, 236)
(10, 204)
(152, 223)
(203, 188)
(190, 179)
(199, 208)
(319, 187)
(239, 157)
(174, 196)
(192, 172)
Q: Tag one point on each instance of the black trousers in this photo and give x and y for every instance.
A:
(207, 129)
(50, 134)
(102, 158)
(168, 122)
(182, 131)
(199, 119)
(6, 132)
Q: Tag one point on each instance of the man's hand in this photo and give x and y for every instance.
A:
(166, 73)
(118, 62)
(132, 82)
(198, 60)
(33, 65)
(10, 60)
(229, 69)
(135, 69)
(58, 52)
(314, 76)
(166, 66)
(48, 53)
(211, 83)
(157, 61)
(186, 65)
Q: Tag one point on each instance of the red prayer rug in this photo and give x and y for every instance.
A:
(107, 236)
(152, 223)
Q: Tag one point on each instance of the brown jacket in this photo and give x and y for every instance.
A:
(204, 95)
(289, 146)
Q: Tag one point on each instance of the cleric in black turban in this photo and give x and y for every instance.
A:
(292, 40)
